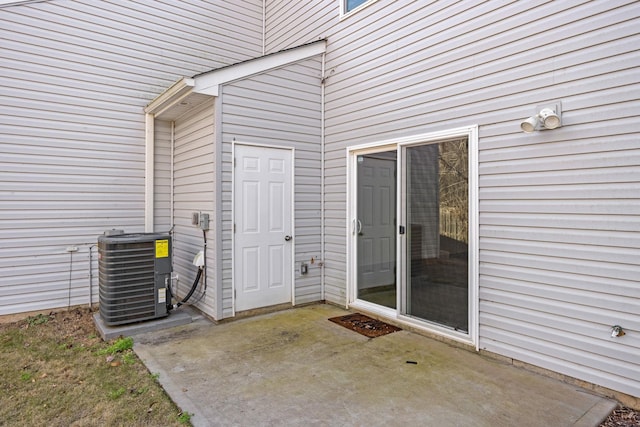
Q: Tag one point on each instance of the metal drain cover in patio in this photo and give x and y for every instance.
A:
(364, 325)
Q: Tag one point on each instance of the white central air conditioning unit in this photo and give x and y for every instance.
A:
(135, 270)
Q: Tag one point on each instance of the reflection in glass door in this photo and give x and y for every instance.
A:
(436, 205)
(375, 227)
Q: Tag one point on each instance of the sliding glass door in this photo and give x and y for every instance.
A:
(410, 250)
(375, 227)
(435, 205)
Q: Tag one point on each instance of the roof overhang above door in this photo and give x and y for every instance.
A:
(175, 101)
(187, 92)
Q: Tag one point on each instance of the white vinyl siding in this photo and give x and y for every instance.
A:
(295, 23)
(162, 177)
(280, 108)
(559, 210)
(351, 6)
(194, 186)
(75, 77)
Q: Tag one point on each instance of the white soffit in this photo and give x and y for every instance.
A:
(171, 96)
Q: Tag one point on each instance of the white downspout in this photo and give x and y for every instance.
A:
(149, 138)
(171, 172)
(264, 27)
(322, 175)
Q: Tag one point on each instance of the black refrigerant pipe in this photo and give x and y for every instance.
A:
(195, 282)
(191, 291)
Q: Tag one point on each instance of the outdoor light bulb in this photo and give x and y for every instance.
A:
(550, 119)
(530, 124)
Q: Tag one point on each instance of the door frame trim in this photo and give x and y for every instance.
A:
(233, 218)
(471, 132)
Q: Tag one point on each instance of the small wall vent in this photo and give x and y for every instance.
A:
(134, 272)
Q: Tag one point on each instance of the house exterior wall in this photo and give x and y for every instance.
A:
(74, 79)
(558, 210)
(194, 191)
(290, 24)
(281, 107)
(162, 176)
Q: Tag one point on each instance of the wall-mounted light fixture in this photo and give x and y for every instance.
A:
(548, 116)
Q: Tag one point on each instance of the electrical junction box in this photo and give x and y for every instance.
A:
(204, 221)
(134, 272)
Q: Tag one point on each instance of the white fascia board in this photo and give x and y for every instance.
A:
(4, 3)
(210, 82)
(172, 95)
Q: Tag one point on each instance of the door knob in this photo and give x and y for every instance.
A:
(287, 238)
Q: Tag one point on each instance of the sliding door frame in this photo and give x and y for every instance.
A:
(471, 133)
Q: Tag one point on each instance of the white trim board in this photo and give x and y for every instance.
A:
(208, 83)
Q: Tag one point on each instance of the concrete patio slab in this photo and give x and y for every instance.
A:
(294, 367)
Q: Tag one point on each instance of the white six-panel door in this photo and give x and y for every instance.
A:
(263, 238)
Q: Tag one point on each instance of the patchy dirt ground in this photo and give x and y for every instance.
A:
(55, 370)
(622, 417)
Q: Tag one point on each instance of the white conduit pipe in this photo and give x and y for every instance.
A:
(322, 174)
(171, 171)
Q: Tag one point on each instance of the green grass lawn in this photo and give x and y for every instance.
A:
(56, 371)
